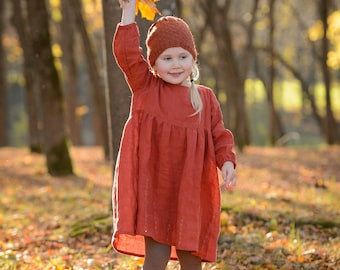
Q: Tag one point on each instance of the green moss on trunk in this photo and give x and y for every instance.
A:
(36, 148)
(58, 159)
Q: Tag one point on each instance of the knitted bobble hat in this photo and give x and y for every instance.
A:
(168, 32)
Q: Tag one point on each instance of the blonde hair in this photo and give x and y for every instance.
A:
(195, 96)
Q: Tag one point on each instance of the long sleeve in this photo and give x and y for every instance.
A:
(129, 57)
(223, 138)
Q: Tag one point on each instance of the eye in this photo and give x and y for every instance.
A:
(167, 58)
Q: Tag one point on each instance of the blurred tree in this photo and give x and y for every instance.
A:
(233, 76)
(3, 135)
(69, 69)
(317, 56)
(97, 89)
(331, 132)
(143, 26)
(55, 140)
(302, 69)
(168, 7)
(276, 127)
(117, 92)
(31, 85)
(240, 29)
(270, 88)
(298, 68)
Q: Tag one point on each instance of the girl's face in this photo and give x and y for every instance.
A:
(174, 66)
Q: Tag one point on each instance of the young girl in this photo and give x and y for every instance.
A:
(166, 194)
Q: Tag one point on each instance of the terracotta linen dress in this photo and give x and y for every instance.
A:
(166, 183)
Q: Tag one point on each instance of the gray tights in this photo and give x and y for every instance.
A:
(157, 257)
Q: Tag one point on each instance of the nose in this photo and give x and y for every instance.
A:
(176, 63)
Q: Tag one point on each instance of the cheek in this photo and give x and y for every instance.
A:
(162, 68)
(189, 65)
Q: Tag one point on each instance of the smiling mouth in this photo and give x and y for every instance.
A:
(177, 74)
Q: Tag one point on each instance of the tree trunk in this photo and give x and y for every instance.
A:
(249, 49)
(330, 123)
(168, 7)
(305, 87)
(3, 87)
(179, 5)
(31, 85)
(118, 96)
(97, 89)
(217, 18)
(54, 132)
(272, 122)
(275, 117)
(70, 85)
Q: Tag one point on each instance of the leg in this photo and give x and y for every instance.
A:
(189, 261)
(156, 255)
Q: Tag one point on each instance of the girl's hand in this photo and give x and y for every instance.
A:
(129, 10)
(229, 176)
(123, 3)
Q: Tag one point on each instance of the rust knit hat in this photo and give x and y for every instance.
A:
(168, 32)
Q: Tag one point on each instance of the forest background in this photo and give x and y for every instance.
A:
(275, 68)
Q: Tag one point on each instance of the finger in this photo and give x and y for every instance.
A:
(224, 174)
(223, 186)
(231, 182)
(225, 177)
(234, 179)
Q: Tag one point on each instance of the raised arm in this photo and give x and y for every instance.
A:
(128, 11)
(127, 51)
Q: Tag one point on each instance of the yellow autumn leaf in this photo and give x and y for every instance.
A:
(147, 9)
